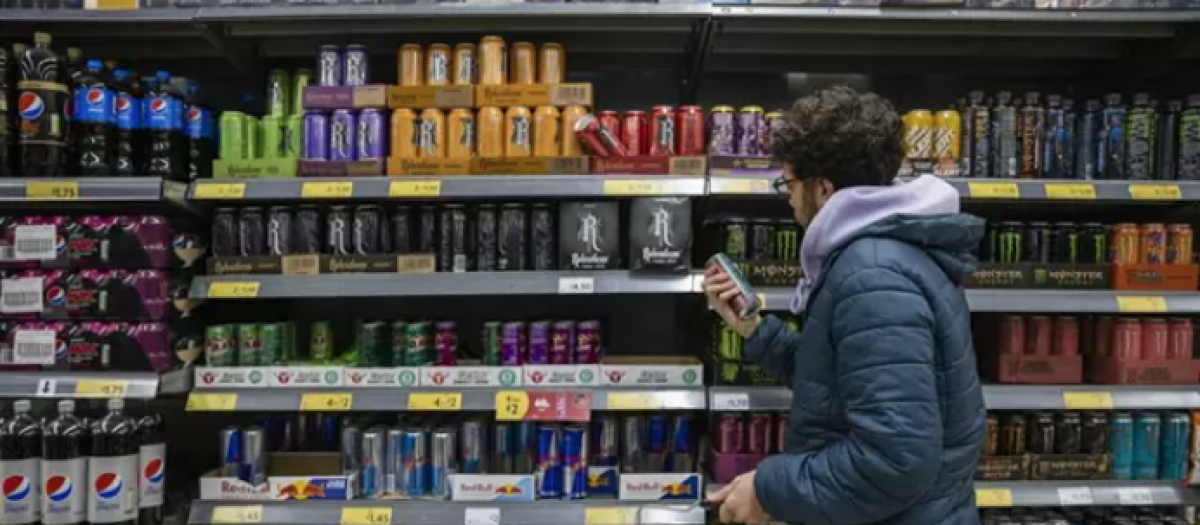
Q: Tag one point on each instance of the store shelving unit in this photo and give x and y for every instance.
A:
(1107, 191)
(997, 397)
(123, 189)
(1048, 301)
(472, 399)
(377, 188)
(144, 385)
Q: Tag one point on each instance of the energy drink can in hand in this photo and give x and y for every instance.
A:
(746, 303)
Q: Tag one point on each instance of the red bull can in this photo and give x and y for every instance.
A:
(393, 462)
(254, 456)
(442, 453)
(474, 445)
(503, 453)
(548, 476)
(371, 471)
(413, 477)
(231, 452)
(574, 463)
(633, 438)
(605, 451)
(681, 445)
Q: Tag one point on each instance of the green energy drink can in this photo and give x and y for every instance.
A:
(398, 339)
(320, 342)
(293, 137)
(1010, 242)
(1064, 243)
(219, 346)
(279, 93)
(270, 336)
(1141, 123)
(733, 238)
(729, 352)
(1094, 242)
(300, 80)
(372, 340)
(249, 347)
(288, 342)
(1189, 140)
(492, 337)
(253, 140)
(787, 241)
(233, 136)
(418, 347)
(271, 137)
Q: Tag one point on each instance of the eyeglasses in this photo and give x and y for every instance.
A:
(783, 186)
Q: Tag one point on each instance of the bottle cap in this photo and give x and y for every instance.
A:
(42, 38)
(163, 76)
(95, 66)
(116, 404)
(66, 406)
(121, 74)
(22, 406)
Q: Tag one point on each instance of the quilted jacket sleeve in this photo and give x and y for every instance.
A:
(882, 334)
(772, 346)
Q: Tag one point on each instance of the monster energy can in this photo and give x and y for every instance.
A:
(976, 137)
(1035, 242)
(1010, 242)
(1064, 243)
(1094, 241)
(279, 99)
(1189, 140)
(418, 347)
(293, 136)
(399, 339)
(989, 245)
(1141, 125)
(219, 345)
(787, 241)
(729, 353)
(492, 341)
(371, 338)
(320, 347)
(249, 346)
(270, 336)
(733, 238)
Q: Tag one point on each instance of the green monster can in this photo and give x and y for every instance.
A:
(729, 350)
(279, 93)
(492, 337)
(300, 80)
(249, 348)
(233, 136)
(418, 347)
(293, 137)
(733, 238)
(372, 341)
(399, 339)
(320, 346)
(271, 135)
(787, 241)
(218, 346)
(270, 336)
(250, 129)
(287, 341)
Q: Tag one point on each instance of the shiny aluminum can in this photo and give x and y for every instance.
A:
(538, 352)
(570, 143)
(518, 137)
(431, 141)
(1095, 433)
(329, 66)
(1126, 245)
(437, 65)
(513, 238)
(552, 64)
(473, 439)
(774, 124)
(503, 448)
(587, 343)
(918, 134)
(453, 255)
(546, 132)
(442, 453)
(493, 61)
(522, 60)
(991, 436)
(485, 238)
(1156, 339)
(548, 476)
(400, 228)
(232, 136)
(414, 476)
(465, 66)
(393, 460)
(1147, 444)
(731, 434)
(316, 136)
(308, 230)
(490, 124)
(231, 452)
(412, 65)
(1014, 435)
(372, 134)
(427, 230)
(1041, 432)
(1182, 339)
(293, 136)
(338, 223)
(405, 133)
(1121, 441)
(633, 444)
(270, 137)
(300, 80)
(254, 456)
(749, 131)
(562, 343)
(574, 462)
(663, 131)
(1179, 244)
(371, 471)
(543, 238)
(947, 135)
(356, 61)
(1068, 433)
(1153, 243)
(367, 230)
(279, 231)
(635, 129)
(1176, 443)
(460, 134)
(689, 132)
(252, 232)
(343, 127)
(279, 93)
(722, 131)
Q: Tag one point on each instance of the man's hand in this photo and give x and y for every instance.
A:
(739, 504)
(720, 290)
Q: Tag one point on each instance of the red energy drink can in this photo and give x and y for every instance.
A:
(731, 434)
(1038, 335)
(1102, 340)
(781, 431)
(1156, 338)
(634, 132)
(597, 139)
(689, 135)
(1154, 244)
(758, 434)
(1012, 335)
(1127, 339)
(1126, 244)
(611, 120)
(1182, 338)
(662, 131)
(1066, 336)
(1179, 244)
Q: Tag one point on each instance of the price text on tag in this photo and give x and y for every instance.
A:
(227, 190)
(239, 514)
(61, 191)
(1135, 496)
(95, 388)
(1087, 400)
(233, 290)
(450, 401)
(366, 515)
(571, 285)
(731, 402)
(415, 188)
(1155, 192)
(327, 402)
(217, 402)
(326, 190)
(634, 401)
(1056, 190)
(481, 516)
(994, 190)
(1141, 304)
(511, 405)
(738, 186)
(636, 187)
(1074, 496)
(993, 498)
(610, 516)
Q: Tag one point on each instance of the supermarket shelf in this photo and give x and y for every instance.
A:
(87, 189)
(79, 384)
(996, 397)
(473, 399)
(523, 10)
(1105, 191)
(489, 186)
(84, 16)
(739, 398)
(450, 284)
(955, 14)
(1040, 301)
(421, 512)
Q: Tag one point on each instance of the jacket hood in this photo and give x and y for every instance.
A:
(923, 212)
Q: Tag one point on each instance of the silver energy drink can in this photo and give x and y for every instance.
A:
(525, 447)
(394, 461)
(351, 450)
(632, 455)
(441, 462)
(474, 445)
(415, 472)
(372, 466)
(502, 449)
(254, 456)
(231, 452)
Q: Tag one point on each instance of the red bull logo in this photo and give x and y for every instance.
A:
(677, 489)
(509, 490)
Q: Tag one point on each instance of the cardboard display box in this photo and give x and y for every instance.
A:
(492, 487)
(428, 167)
(1037, 369)
(1002, 468)
(290, 476)
(738, 165)
(330, 168)
(648, 165)
(1064, 467)
(421, 97)
(283, 168)
(660, 487)
(1114, 370)
(1041, 276)
(533, 95)
(346, 97)
(1155, 277)
(529, 166)
(419, 263)
(772, 273)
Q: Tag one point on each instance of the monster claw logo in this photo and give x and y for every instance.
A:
(30, 105)
(58, 488)
(154, 471)
(108, 485)
(16, 487)
(56, 297)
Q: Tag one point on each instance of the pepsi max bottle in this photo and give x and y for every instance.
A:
(95, 116)
(152, 463)
(167, 156)
(112, 468)
(41, 109)
(64, 467)
(6, 130)
(128, 129)
(20, 459)
(200, 128)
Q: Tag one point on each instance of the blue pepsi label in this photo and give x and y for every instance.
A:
(200, 123)
(94, 104)
(128, 112)
(164, 113)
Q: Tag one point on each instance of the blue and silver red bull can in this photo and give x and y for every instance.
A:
(574, 463)
(316, 135)
(372, 466)
(474, 446)
(1147, 440)
(1120, 438)
(441, 462)
(372, 134)
(356, 65)
(393, 461)
(329, 66)
(413, 478)
(681, 445)
(342, 129)
(548, 476)
(231, 452)
(525, 445)
(1176, 435)
(254, 456)
(605, 434)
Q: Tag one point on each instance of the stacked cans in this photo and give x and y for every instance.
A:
(1101, 337)
(757, 239)
(758, 433)
(747, 132)
(563, 342)
(1087, 243)
(1083, 516)
(491, 63)
(243, 453)
(664, 132)
(376, 344)
(344, 135)
(249, 344)
(492, 132)
(277, 134)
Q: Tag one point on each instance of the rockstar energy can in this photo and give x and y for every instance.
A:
(1126, 244)
(570, 143)
(405, 136)
(412, 65)
(918, 134)
(546, 132)
(493, 61)
(465, 65)
(490, 124)
(460, 134)
(431, 137)
(552, 64)
(437, 65)
(947, 135)
(523, 63)
(517, 137)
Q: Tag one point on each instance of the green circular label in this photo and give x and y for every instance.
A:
(689, 377)
(331, 377)
(407, 378)
(586, 376)
(508, 377)
(256, 377)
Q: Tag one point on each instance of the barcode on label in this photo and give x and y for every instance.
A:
(573, 92)
(35, 242)
(7, 253)
(689, 164)
(21, 295)
(33, 347)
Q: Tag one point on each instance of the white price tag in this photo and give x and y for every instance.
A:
(21, 296)
(1074, 496)
(47, 387)
(576, 285)
(731, 402)
(482, 516)
(1135, 496)
(33, 347)
(35, 242)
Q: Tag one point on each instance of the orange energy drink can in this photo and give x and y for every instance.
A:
(490, 124)
(437, 65)
(918, 134)
(412, 65)
(405, 125)
(1154, 243)
(947, 133)
(1179, 244)
(546, 132)
(523, 63)
(570, 143)
(517, 140)
(1126, 244)
(493, 61)
(431, 137)
(460, 134)
(465, 65)
(552, 64)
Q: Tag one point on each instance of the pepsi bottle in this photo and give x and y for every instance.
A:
(20, 459)
(112, 468)
(152, 463)
(167, 156)
(64, 467)
(200, 131)
(41, 108)
(6, 132)
(128, 130)
(93, 122)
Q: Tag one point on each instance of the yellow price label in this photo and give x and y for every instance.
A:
(511, 405)
(213, 190)
(635, 187)
(610, 516)
(994, 190)
(52, 190)
(221, 402)
(1141, 304)
(326, 401)
(233, 290)
(1155, 192)
(633, 401)
(366, 515)
(415, 188)
(993, 498)
(435, 401)
(1070, 191)
(742, 186)
(91, 387)
(326, 190)
(1087, 400)
(238, 514)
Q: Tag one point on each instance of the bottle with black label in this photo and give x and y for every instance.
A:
(41, 111)
(20, 461)
(152, 465)
(64, 467)
(112, 468)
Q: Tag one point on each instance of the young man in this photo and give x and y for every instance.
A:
(887, 416)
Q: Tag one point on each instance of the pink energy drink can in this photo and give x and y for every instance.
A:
(731, 434)
(758, 434)
(562, 342)
(445, 343)
(587, 343)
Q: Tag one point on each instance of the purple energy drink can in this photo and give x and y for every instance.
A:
(356, 65)
(587, 343)
(574, 463)
(372, 134)
(721, 130)
(512, 344)
(562, 342)
(539, 343)
(329, 66)
(548, 476)
(342, 129)
(316, 136)
(445, 343)
(750, 124)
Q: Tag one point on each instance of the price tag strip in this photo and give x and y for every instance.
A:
(993, 498)
(576, 285)
(1087, 400)
(1070, 496)
(216, 402)
(237, 514)
(634, 401)
(481, 516)
(94, 388)
(731, 401)
(1056, 190)
(1135, 496)
(415, 188)
(610, 516)
(993, 190)
(326, 190)
(233, 290)
(56, 190)
(227, 190)
(366, 516)
(327, 402)
(449, 401)
(1146, 304)
(1157, 192)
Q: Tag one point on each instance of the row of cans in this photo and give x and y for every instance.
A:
(665, 132)
(759, 239)
(285, 91)
(344, 135)
(491, 63)
(732, 366)
(1082, 516)
(1101, 336)
(1087, 243)
(749, 131)
(1143, 445)
(338, 66)
(516, 343)
(249, 344)
(243, 453)
(758, 433)
(246, 137)
(492, 132)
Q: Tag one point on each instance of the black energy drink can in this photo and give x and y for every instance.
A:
(734, 237)
(1011, 242)
(252, 232)
(1093, 243)
(279, 231)
(976, 137)
(427, 230)
(542, 237)
(338, 223)
(400, 229)
(1036, 242)
(787, 241)
(452, 239)
(485, 238)
(513, 235)
(225, 233)
(762, 232)
(366, 234)
(1064, 243)
(1168, 141)
(307, 231)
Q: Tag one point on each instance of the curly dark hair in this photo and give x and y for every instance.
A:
(851, 139)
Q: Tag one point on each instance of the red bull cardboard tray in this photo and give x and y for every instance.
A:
(659, 487)
(491, 487)
(290, 476)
